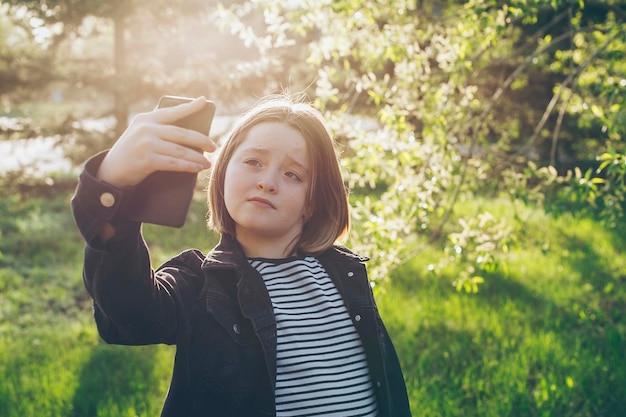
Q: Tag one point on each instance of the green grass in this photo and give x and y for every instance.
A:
(544, 336)
(52, 362)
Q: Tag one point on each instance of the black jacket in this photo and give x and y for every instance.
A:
(216, 310)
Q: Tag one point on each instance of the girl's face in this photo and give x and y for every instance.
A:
(265, 189)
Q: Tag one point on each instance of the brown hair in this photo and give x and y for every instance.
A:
(328, 210)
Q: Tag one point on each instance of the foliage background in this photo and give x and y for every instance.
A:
(482, 142)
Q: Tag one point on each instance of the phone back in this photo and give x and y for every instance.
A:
(164, 197)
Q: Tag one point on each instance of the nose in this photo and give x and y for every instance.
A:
(267, 183)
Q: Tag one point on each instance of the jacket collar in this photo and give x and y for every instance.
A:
(228, 253)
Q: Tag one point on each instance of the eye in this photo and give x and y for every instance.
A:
(293, 176)
(252, 162)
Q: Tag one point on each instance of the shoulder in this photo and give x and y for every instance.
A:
(190, 258)
(190, 255)
(343, 254)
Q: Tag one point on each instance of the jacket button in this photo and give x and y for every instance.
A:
(107, 199)
(357, 317)
(236, 329)
(350, 274)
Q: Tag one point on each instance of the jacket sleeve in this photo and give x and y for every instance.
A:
(133, 304)
(398, 395)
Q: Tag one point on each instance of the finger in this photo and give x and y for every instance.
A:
(178, 151)
(170, 163)
(169, 115)
(187, 137)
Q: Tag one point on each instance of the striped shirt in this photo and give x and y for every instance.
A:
(321, 364)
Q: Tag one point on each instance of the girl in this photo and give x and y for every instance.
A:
(277, 320)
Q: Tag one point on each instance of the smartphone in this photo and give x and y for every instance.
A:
(164, 197)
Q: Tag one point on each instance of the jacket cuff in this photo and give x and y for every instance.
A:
(96, 202)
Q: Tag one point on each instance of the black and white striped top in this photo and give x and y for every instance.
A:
(321, 364)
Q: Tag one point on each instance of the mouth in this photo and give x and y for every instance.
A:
(261, 202)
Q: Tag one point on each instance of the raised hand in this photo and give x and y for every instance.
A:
(152, 143)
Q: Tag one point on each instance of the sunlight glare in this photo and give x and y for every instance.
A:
(41, 33)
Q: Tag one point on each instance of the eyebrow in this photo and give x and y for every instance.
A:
(264, 151)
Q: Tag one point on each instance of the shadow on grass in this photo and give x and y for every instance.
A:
(557, 351)
(118, 381)
(463, 379)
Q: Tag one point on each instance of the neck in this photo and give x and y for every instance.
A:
(266, 248)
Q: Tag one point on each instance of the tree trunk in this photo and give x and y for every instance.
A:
(121, 99)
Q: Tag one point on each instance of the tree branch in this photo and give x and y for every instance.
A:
(569, 80)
